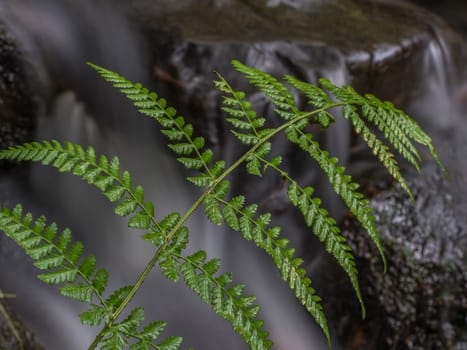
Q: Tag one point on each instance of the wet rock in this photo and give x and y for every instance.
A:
(18, 104)
(14, 335)
(377, 46)
(421, 302)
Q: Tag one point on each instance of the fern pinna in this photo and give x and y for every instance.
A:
(63, 262)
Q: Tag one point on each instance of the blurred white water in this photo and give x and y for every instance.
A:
(440, 109)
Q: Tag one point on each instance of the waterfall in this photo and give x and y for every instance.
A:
(60, 36)
(438, 108)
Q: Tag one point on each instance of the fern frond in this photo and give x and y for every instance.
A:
(276, 91)
(106, 175)
(226, 299)
(379, 149)
(317, 97)
(341, 183)
(244, 118)
(323, 226)
(118, 188)
(414, 131)
(386, 119)
(63, 264)
(382, 120)
(179, 132)
(243, 115)
(55, 254)
(256, 229)
(316, 218)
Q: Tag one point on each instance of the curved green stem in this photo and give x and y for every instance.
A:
(190, 211)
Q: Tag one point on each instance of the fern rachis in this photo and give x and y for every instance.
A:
(170, 236)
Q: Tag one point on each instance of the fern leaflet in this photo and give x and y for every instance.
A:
(322, 225)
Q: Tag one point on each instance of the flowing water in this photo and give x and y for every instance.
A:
(59, 36)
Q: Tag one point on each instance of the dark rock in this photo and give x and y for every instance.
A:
(18, 104)
(378, 46)
(421, 302)
(452, 11)
(14, 335)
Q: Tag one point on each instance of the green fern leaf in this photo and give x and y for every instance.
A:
(289, 268)
(179, 240)
(88, 266)
(80, 292)
(212, 210)
(60, 262)
(381, 116)
(132, 322)
(140, 221)
(94, 316)
(253, 166)
(174, 127)
(152, 330)
(117, 297)
(377, 147)
(201, 180)
(227, 301)
(276, 91)
(191, 163)
(343, 186)
(126, 207)
(100, 281)
(171, 343)
(169, 268)
(325, 228)
(113, 340)
(316, 96)
(341, 183)
(115, 194)
(103, 174)
(63, 275)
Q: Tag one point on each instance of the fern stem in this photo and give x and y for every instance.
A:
(146, 271)
(127, 299)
